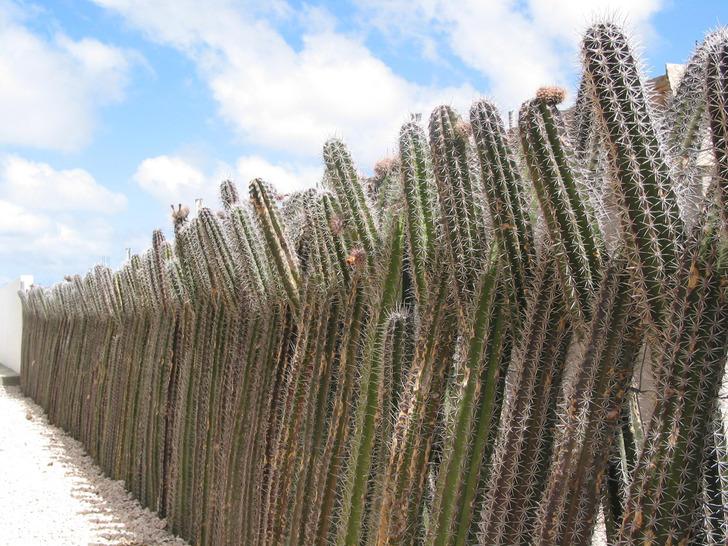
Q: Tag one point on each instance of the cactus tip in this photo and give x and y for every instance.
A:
(551, 95)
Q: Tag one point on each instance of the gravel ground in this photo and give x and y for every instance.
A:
(51, 492)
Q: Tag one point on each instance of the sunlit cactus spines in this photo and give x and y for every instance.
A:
(651, 222)
(522, 457)
(686, 110)
(564, 200)
(277, 244)
(460, 197)
(663, 501)
(478, 385)
(591, 412)
(717, 105)
(344, 179)
(419, 194)
(504, 191)
(228, 194)
(457, 350)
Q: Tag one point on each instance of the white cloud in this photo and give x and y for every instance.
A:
(170, 179)
(176, 179)
(40, 186)
(50, 90)
(566, 19)
(287, 99)
(16, 221)
(34, 242)
(517, 46)
(53, 221)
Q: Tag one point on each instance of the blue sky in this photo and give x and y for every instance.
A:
(111, 110)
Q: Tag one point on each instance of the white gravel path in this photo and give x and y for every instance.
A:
(52, 493)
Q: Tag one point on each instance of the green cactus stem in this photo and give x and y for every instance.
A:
(504, 192)
(565, 204)
(418, 182)
(651, 222)
(277, 243)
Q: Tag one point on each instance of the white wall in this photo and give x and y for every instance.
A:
(11, 321)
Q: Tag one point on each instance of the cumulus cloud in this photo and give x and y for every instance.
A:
(170, 179)
(286, 178)
(52, 220)
(285, 98)
(50, 245)
(517, 46)
(16, 221)
(176, 179)
(42, 187)
(50, 90)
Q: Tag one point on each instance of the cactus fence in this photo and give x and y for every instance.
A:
(445, 353)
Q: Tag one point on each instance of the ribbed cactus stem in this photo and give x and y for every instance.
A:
(253, 266)
(396, 506)
(591, 412)
(712, 529)
(686, 110)
(565, 204)
(459, 196)
(335, 223)
(352, 326)
(343, 177)
(487, 419)
(581, 124)
(451, 469)
(216, 249)
(651, 222)
(419, 192)
(270, 223)
(371, 385)
(228, 194)
(717, 99)
(504, 191)
(523, 453)
(666, 490)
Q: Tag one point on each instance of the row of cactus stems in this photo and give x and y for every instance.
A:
(590, 415)
(440, 354)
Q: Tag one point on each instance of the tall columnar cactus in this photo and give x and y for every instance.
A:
(717, 100)
(342, 176)
(368, 415)
(479, 379)
(403, 480)
(651, 222)
(563, 198)
(460, 198)
(252, 267)
(686, 110)
(591, 413)
(504, 192)
(417, 179)
(523, 453)
(663, 502)
(277, 244)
